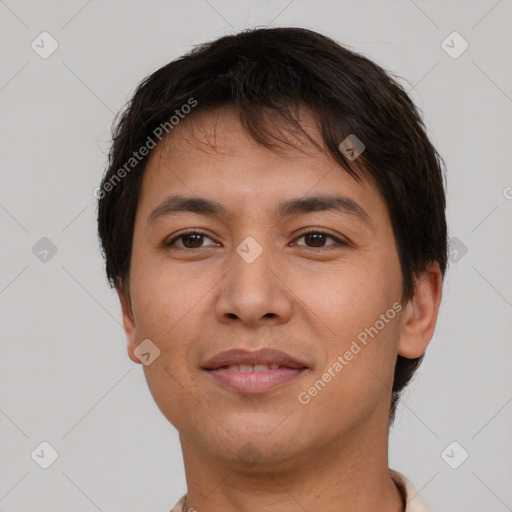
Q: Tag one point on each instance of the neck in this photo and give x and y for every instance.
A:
(335, 477)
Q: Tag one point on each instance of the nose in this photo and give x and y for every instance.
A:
(254, 292)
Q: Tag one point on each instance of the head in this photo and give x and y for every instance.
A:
(250, 122)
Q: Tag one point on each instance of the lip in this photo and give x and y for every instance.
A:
(253, 381)
(262, 356)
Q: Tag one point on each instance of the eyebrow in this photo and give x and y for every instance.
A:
(300, 206)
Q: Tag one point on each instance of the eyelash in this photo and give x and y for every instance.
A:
(302, 234)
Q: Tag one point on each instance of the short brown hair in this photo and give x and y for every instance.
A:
(278, 70)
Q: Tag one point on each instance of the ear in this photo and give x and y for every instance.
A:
(420, 314)
(128, 322)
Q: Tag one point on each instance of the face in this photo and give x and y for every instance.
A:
(261, 269)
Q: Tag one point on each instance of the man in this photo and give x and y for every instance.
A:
(273, 221)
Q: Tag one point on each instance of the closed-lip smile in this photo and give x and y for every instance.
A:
(253, 371)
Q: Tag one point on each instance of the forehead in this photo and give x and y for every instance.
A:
(220, 133)
(212, 155)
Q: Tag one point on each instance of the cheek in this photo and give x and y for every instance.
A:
(360, 306)
(167, 306)
(353, 295)
(165, 298)
(357, 376)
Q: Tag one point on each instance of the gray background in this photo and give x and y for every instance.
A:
(65, 377)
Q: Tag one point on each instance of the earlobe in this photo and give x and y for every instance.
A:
(420, 315)
(128, 322)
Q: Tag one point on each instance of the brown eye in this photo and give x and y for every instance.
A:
(189, 240)
(317, 239)
(192, 241)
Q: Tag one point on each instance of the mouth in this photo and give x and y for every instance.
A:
(253, 372)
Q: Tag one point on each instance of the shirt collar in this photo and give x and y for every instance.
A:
(414, 502)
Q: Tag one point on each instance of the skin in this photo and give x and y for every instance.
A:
(306, 297)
